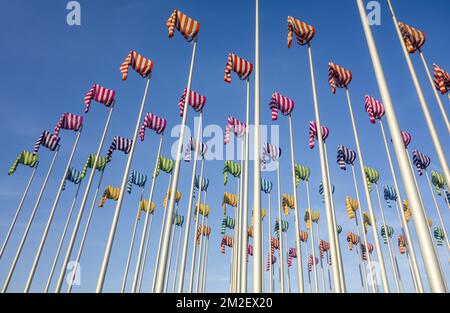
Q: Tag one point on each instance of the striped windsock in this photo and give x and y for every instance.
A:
(74, 176)
(235, 126)
(352, 239)
(302, 173)
(232, 168)
(439, 236)
(47, 140)
(165, 164)
(227, 222)
(229, 199)
(203, 209)
(196, 101)
(136, 178)
(390, 194)
(364, 252)
(324, 247)
(339, 229)
(280, 103)
(202, 230)
(438, 180)
(284, 228)
(303, 235)
(407, 210)
(205, 183)
(351, 206)
(338, 77)
(266, 186)
(178, 220)
(153, 122)
(441, 79)
(268, 263)
(191, 146)
(240, 66)
(121, 144)
(25, 158)
(421, 161)
(385, 234)
(68, 121)
(313, 133)
(99, 94)
(187, 26)
(270, 153)
(292, 254)
(145, 207)
(101, 164)
(345, 156)
(111, 193)
(333, 189)
(402, 244)
(139, 63)
(315, 216)
(288, 202)
(227, 241)
(375, 109)
(407, 138)
(302, 31)
(366, 221)
(311, 262)
(414, 38)
(178, 196)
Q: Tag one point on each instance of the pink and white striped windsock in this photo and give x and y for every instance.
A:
(237, 127)
(196, 101)
(99, 94)
(241, 67)
(338, 77)
(142, 65)
(270, 153)
(313, 133)
(324, 247)
(69, 121)
(292, 255)
(311, 262)
(278, 102)
(190, 147)
(47, 140)
(375, 109)
(407, 138)
(121, 144)
(151, 121)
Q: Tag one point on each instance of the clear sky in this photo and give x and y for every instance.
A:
(49, 66)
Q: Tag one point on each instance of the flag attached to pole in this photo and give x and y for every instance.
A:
(47, 140)
(303, 31)
(421, 161)
(375, 109)
(313, 133)
(139, 63)
(187, 26)
(196, 101)
(338, 77)
(278, 102)
(25, 158)
(441, 79)
(69, 121)
(241, 67)
(111, 193)
(345, 156)
(414, 38)
(121, 144)
(191, 146)
(237, 127)
(99, 94)
(151, 121)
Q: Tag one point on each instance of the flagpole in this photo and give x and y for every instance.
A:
(144, 260)
(415, 268)
(423, 103)
(30, 221)
(172, 234)
(239, 228)
(61, 242)
(326, 184)
(363, 280)
(280, 231)
(85, 232)
(286, 251)
(205, 265)
(321, 259)
(19, 208)
(177, 259)
(133, 237)
(168, 223)
(436, 94)
(296, 217)
(316, 279)
(199, 259)
(147, 214)
(430, 258)
(83, 204)
(52, 214)
(269, 230)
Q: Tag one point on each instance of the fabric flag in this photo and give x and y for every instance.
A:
(364, 252)
(302, 173)
(153, 122)
(303, 31)
(139, 63)
(351, 206)
(266, 186)
(111, 193)
(375, 109)
(241, 67)
(438, 181)
(229, 199)
(165, 164)
(47, 140)
(25, 158)
(99, 94)
(402, 244)
(278, 102)
(338, 77)
(288, 202)
(178, 220)
(291, 255)
(311, 262)
(227, 241)
(74, 176)
(313, 133)
(232, 168)
(441, 79)
(205, 183)
(333, 189)
(407, 138)
(237, 127)
(439, 236)
(345, 156)
(270, 152)
(385, 234)
(121, 144)
(414, 38)
(390, 194)
(196, 101)
(352, 239)
(191, 146)
(227, 222)
(101, 163)
(136, 178)
(187, 26)
(421, 161)
(145, 207)
(69, 121)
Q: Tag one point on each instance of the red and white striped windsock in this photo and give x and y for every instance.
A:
(69, 121)
(292, 255)
(139, 63)
(441, 79)
(121, 144)
(156, 123)
(313, 133)
(338, 77)
(47, 140)
(187, 26)
(324, 247)
(237, 127)
(407, 138)
(278, 102)
(227, 241)
(196, 101)
(241, 67)
(100, 94)
(303, 31)
(414, 38)
(191, 145)
(375, 109)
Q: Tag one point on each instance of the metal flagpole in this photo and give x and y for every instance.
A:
(286, 251)
(30, 221)
(257, 244)
(380, 258)
(338, 288)
(205, 265)
(280, 231)
(199, 259)
(52, 214)
(321, 260)
(177, 259)
(112, 233)
(146, 229)
(423, 103)
(405, 227)
(430, 258)
(172, 238)
(269, 239)
(61, 242)
(191, 200)
(83, 204)
(239, 227)
(296, 217)
(19, 208)
(436, 94)
(85, 232)
(168, 223)
(312, 240)
(363, 280)
(147, 244)
(133, 237)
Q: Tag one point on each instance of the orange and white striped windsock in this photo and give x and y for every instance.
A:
(241, 67)
(303, 31)
(414, 38)
(187, 26)
(139, 63)
(338, 77)
(441, 79)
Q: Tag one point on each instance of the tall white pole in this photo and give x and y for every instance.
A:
(19, 208)
(426, 111)
(144, 257)
(30, 221)
(145, 229)
(52, 214)
(177, 259)
(280, 231)
(205, 266)
(189, 207)
(313, 244)
(286, 251)
(269, 248)
(172, 238)
(430, 258)
(257, 244)
(168, 223)
(200, 255)
(321, 260)
(338, 288)
(83, 204)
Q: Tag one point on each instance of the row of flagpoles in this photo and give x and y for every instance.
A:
(409, 206)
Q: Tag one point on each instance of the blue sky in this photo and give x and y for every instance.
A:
(49, 66)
